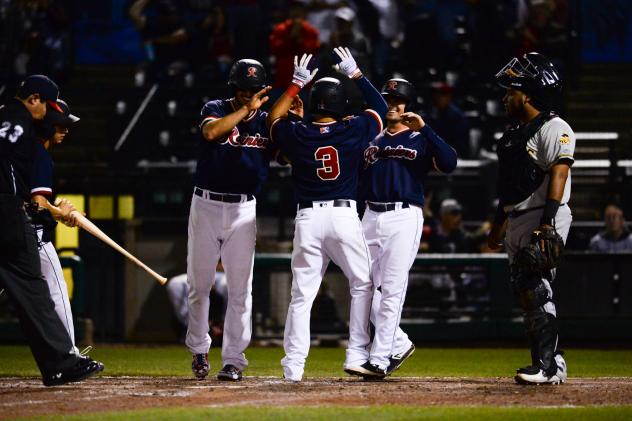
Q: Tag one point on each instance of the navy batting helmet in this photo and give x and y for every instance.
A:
(534, 75)
(327, 97)
(400, 88)
(247, 74)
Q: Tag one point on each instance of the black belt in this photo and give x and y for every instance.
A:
(515, 214)
(385, 207)
(222, 197)
(338, 203)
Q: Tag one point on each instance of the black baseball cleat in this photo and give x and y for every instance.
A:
(84, 368)
(229, 373)
(200, 366)
(534, 375)
(367, 371)
(396, 361)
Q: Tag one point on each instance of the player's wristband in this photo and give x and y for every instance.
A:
(550, 210)
(293, 90)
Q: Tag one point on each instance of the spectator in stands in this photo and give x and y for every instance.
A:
(545, 31)
(347, 33)
(320, 14)
(160, 24)
(616, 237)
(292, 37)
(450, 237)
(448, 120)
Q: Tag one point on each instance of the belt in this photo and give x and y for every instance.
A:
(515, 214)
(338, 203)
(221, 197)
(385, 207)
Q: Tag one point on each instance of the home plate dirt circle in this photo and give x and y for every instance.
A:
(22, 397)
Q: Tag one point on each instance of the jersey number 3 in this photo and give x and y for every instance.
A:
(328, 155)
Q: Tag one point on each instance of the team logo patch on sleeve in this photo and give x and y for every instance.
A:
(565, 139)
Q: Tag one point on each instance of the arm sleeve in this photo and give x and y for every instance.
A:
(444, 155)
(557, 142)
(281, 133)
(211, 111)
(42, 174)
(374, 99)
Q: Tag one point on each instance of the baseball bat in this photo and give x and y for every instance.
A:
(87, 225)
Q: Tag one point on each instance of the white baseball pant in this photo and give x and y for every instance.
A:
(322, 234)
(393, 238)
(54, 275)
(227, 231)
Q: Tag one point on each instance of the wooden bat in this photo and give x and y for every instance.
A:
(87, 225)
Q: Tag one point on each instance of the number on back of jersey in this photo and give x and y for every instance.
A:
(12, 135)
(328, 155)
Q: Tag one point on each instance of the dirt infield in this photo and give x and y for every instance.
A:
(20, 397)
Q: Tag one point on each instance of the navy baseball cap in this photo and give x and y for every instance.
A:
(42, 85)
(63, 118)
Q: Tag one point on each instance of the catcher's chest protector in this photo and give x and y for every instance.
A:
(519, 175)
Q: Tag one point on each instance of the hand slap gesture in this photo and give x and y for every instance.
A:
(302, 76)
(347, 64)
(257, 101)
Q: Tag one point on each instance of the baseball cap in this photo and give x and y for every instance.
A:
(42, 85)
(63, 118)
(450, 206)
(346, 14)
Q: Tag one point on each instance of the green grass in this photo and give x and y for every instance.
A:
(326, 362)
(363, 413)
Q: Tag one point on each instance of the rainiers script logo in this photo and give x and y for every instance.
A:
(373, 153)
(252, 72)
(392, 85)
(246, 141)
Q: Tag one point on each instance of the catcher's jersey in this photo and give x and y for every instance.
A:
(326, 157)
(554, 141)
(239, 162)
(396, 165)
(42, 175)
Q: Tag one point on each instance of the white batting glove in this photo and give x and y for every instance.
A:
(347, 65)
(302, 76)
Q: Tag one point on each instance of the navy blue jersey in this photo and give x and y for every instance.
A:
(397, 164)
(239, 162)
(326, 157)
(42, 174)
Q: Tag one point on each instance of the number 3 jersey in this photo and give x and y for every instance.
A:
(396, 165)
(326, 157)
(239, 162)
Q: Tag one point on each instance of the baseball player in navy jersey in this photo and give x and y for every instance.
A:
(534, 160)
(233, 164)
(326, 155)
(396, 164)
(52, 130)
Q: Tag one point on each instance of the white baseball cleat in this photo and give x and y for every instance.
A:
(535, 375)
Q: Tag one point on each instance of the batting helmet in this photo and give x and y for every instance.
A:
(400, 88)
(327, 97)
(534, 75)
(247, 74)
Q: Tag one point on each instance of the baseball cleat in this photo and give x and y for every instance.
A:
(84, 368)
(229, 373)
(200, 366)
(367, 371)
(396, 361)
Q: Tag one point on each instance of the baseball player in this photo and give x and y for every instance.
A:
(52, 130)
(534, 189)
(325, 155)
(397, 162)
(233, 164)
(20, 270)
